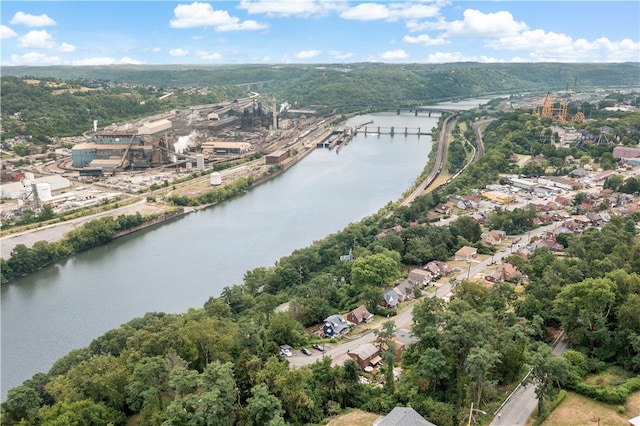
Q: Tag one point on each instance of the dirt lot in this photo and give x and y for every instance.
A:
(355, 418)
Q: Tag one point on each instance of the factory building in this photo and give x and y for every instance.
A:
(153, 128)
(277, 156)
(45, 185)
(109, 151)
(225, 148)
(501, 197)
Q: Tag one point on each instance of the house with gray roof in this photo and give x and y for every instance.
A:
(403, 416)
(335, 326)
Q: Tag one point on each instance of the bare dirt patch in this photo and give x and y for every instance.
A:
(354, 418)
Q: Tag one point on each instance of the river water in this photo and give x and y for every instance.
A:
(180, 264)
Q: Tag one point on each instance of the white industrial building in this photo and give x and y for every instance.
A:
(154, 127)
(45, 186)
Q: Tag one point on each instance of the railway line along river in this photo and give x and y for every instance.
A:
(180, 264)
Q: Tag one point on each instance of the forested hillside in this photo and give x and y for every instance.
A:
(68, 99)
(220, 364)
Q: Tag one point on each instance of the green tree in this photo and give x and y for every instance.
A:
(263, 408)
(547, 374)
(613, 182)
(81, 413)
(584, 307)
(22, 405)
(478, 366)
(148, 382)
(466, 227)
(377, 269)
(283, 329)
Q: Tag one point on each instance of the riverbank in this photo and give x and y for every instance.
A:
(166, 212)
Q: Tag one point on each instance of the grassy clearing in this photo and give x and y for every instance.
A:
(611, 377)
(578, 410)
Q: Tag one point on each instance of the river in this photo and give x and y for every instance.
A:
(180, 264)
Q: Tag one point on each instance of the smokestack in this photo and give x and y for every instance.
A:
(275, 115)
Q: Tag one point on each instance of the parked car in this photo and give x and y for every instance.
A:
(285, 350)
(318, 347)
(305, 351)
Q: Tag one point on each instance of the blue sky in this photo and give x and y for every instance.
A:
(317, 31)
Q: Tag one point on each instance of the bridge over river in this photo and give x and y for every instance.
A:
(429, 110)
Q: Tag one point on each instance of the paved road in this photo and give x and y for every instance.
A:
(523, 402)
(56, 231)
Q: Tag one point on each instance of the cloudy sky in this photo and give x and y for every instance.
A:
(317, 31)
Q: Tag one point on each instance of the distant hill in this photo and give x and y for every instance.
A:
(343, 87)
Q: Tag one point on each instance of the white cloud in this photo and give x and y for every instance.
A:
(303, 8)
(366, 12)
(211, 56)
(478, 24)
(424, 39)
(394, 55)
(105, 61)
(203, 15)
(66, 47)
(178, 52)
(391, 11)
(550, 46)
(6, 32)
(449, 57)
(414, 10)
(336, 54)
(439, 24)
(34, 58)
(36, 39)
(28, 20)
(308, 54)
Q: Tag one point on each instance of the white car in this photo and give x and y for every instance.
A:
(285, 350)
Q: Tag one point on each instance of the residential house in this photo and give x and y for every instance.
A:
(420, 277)
(366, 355)
(335, 326)
(444, 209)
(472, 201)
(403, 416)
(503, 272)
(391, 299)
(359, 315)
(466, 253)
(399, 347)
(438, 268)
(572, 226)
(493, 237)
(404, 290)
(549, 241)
(563, 201)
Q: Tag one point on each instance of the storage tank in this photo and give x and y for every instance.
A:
(200, 161)
(216, 178)
(44, 191)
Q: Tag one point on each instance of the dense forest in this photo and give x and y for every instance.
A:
(221, 363)
(64, 101)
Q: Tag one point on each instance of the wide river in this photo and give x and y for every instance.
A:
(180, 264)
